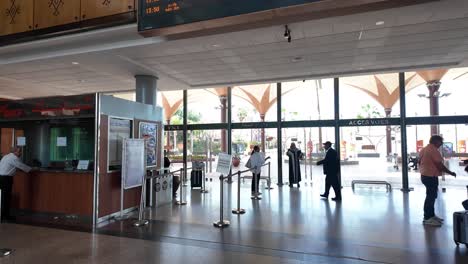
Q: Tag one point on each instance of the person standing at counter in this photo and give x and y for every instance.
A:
(8, 166)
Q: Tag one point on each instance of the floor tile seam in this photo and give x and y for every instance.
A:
(322, 239)
(250, 249)
(274, 250)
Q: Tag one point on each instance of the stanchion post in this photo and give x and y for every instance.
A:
(204, 190)
(239, 210)
(269, 178)
(221, 223)
(181, 199)
(141, 221)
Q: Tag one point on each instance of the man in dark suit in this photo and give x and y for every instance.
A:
(330, 169)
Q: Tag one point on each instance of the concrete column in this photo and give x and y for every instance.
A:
(146, 88)
(433, 87)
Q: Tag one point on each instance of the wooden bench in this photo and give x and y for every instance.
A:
(387, 184)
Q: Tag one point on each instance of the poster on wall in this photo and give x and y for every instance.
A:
(133, 162)
(119, 129)
(148, 132)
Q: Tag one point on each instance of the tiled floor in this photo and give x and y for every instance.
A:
(286, 226)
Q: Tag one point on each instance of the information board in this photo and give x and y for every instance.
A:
(119, 129)
(224, 164)
(166, 13)
(133, 162)
(20, 141)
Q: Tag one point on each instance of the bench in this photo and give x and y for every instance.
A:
(387, 184)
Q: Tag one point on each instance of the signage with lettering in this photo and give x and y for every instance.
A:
(166, 13)
(133, 163)
(44, 108)
(370, 122)
(224, 164)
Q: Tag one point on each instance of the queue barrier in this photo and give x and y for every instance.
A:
(267, 178)
(222, 223)
(141, 221)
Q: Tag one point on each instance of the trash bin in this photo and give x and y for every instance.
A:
(162, 190)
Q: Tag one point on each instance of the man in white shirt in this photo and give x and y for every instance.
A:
(8, 166)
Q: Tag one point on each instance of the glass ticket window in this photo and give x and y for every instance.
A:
(71, 143)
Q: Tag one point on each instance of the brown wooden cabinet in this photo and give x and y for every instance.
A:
(6, 137)
(16, 16)
(49, 13)
(93, 9)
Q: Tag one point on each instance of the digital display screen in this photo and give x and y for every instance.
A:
(155, 14)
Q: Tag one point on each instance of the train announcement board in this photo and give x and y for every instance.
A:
(155, 14)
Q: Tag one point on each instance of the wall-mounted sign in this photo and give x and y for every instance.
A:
(371, 122)
(20, 141)
(61, 141)
(166, 13)
(119, 130)
(148, 132)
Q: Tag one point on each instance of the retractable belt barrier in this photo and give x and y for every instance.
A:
(222, 223)
(141, 221)
(267, 178)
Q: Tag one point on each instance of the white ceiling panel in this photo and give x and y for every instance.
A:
(424, 35)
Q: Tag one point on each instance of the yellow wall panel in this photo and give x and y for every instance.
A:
(16, 16)
(49, 13)
(101, 8)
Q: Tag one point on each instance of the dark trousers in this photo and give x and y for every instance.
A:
(332, 181)
(255, 182)
(432, 185)
(175, 185)
(6, 185)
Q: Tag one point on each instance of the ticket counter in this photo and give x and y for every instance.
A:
(74, 145)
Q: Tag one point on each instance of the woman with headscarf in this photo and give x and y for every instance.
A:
(294, 155)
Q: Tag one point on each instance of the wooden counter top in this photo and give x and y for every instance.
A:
(60, 171)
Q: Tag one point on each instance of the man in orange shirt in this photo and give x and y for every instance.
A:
(431, 167)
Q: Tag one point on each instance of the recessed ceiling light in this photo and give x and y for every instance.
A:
(379, 23)
(216, 45)
(75, 63)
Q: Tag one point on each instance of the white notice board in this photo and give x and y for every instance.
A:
(20, 141)
(61, 141)
(224, 164)
(133, 162)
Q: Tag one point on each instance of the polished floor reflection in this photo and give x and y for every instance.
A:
(286, 226)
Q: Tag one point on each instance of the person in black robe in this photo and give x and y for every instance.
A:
(294, 155)
(330, 169)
